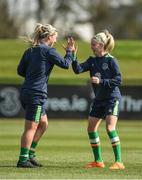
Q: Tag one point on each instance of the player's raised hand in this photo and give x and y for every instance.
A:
(70, 45)
(71, 41)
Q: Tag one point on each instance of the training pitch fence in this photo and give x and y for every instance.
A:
(70, 101)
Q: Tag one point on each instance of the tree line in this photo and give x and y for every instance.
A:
(124, 21)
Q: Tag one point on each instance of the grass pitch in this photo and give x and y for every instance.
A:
(64, 151)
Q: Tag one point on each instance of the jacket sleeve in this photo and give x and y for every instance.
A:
(116, 76)
(22, 67)
(80, 68)
(56, 59)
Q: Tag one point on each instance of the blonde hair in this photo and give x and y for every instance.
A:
(105, 38)
(40, 32)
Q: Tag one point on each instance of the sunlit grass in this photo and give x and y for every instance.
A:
(64, 151)
(128, 53)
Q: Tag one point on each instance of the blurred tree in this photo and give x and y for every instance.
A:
(40, 9)
(99, 13)
(67, 14)
(124, 21)
(8, 29)
(46, 12)
(129, 23)
(57, 12)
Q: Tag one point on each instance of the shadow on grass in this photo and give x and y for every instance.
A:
(7, 166)
(48, 165)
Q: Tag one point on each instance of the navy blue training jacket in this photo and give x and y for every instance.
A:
(106, 68)
(37, 64)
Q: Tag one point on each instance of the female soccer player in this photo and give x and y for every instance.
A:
(35, 66)
(105, 79)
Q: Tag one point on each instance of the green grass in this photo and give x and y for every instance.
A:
(128, 53)
(65, 149)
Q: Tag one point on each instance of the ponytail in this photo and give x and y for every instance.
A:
(105, 38)
(40, 32)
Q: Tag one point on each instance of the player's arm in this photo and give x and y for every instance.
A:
(56, 59)
(80, 68)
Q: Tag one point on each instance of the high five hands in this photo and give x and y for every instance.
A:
(71, 45)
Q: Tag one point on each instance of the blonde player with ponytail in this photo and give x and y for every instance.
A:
(35, 67)
(106, 79)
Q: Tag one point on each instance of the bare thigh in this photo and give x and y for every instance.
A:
(93, 124)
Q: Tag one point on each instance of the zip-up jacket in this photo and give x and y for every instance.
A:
(36, 65)
(107, 70)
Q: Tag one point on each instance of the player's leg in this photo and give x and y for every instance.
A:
(42, 126)
(26, 140)
(94, 121)
(93, 124)
(111, 121)
(33, 115)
